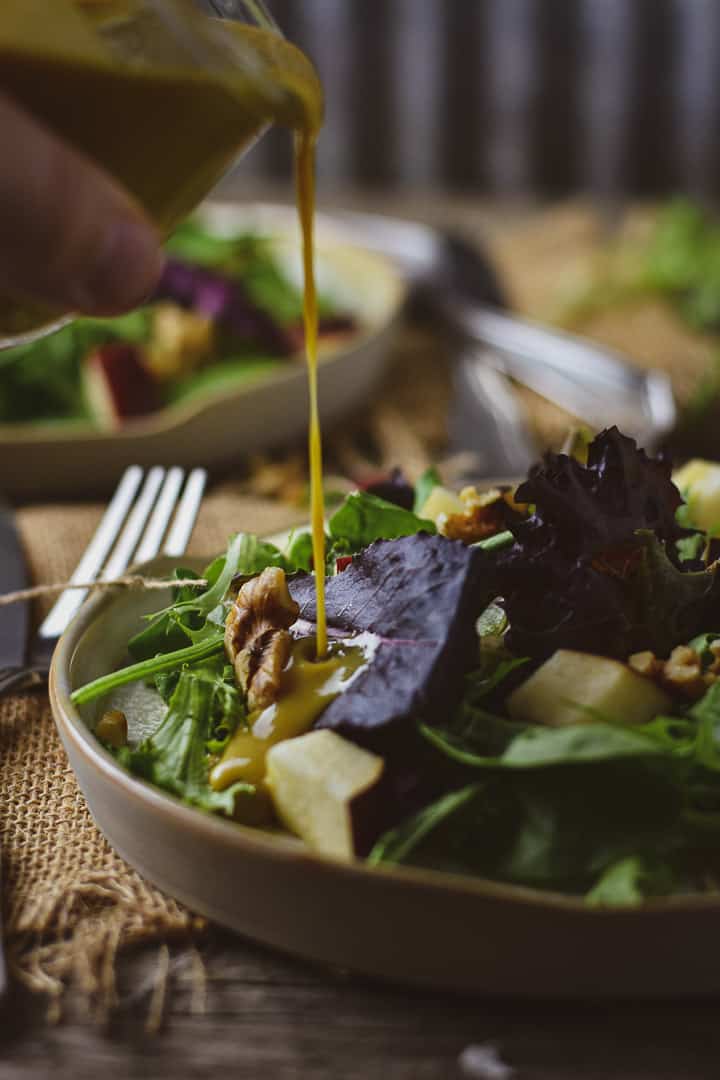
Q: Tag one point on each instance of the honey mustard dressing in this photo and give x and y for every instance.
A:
(308, 686)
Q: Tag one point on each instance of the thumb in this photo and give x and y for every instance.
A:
(69, 235)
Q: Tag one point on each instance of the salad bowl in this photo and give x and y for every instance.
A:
(406, 925)
(258, 408)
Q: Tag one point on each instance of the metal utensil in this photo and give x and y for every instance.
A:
(13, 632)
(133, 529)
(455, 282)
(13, 576)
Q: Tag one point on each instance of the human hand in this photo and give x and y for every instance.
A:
(69, 235)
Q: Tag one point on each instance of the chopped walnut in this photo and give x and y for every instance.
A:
(645, 663)
(682, 673)
(482, 517)
(257, 641)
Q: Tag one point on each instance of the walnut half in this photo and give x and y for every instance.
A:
(257, 641)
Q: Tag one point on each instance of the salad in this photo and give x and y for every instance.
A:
(225, 311)
(521, 684)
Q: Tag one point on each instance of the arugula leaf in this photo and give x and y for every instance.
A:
(175, 756)
(197, 616)
(364, 518)
(148, 669)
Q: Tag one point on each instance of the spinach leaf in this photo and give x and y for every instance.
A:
(707, 715)
(396, 845)
(363, 518)
(539, 747)
(629, 881)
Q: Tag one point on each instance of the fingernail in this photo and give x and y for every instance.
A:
(127, 270)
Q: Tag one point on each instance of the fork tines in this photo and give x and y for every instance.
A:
(142, 519)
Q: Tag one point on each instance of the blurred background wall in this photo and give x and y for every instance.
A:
(512, 96)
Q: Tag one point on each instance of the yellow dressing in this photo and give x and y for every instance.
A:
(308, 687)
(305, 174)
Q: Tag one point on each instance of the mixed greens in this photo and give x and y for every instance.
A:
(542, 702)
(224, 312)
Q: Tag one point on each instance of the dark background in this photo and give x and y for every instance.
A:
(511, 97)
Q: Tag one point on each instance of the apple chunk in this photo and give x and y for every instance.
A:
(326, 790)
(569, 683)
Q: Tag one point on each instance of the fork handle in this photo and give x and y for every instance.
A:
(15, 679)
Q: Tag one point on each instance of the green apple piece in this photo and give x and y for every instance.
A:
(570, 683)
(699, 483)
(326, 791)
(441, 503)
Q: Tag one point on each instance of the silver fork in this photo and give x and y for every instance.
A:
(148, 513)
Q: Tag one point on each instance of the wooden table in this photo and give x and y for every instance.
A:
(270, 1017)
(262, 1015)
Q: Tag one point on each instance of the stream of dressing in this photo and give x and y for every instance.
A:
(305, 182)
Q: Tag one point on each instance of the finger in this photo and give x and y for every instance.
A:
(69, 234)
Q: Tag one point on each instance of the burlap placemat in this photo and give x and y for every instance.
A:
(69, 902)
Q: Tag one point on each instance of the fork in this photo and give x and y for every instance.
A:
(148, 513)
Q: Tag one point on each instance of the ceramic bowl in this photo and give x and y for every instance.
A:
(217, 427)
(401, 924)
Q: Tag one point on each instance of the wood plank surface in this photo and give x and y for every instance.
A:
(270, 1017)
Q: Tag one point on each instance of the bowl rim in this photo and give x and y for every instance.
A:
(292, 369)
(278, 848)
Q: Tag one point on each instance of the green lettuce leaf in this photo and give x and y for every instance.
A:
(175, 757)
(363, 518)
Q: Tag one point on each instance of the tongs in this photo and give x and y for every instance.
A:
(454, 281)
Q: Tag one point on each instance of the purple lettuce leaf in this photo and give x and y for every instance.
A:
(226, 301)
(595, 567)
(420, 595)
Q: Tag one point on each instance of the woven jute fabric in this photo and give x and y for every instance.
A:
(69, 902)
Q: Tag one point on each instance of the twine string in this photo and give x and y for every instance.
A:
(129, 581)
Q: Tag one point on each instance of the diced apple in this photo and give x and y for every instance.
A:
(699, 484)
(326, 791)
(441, 503)
(569, 683)
(117, 385)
